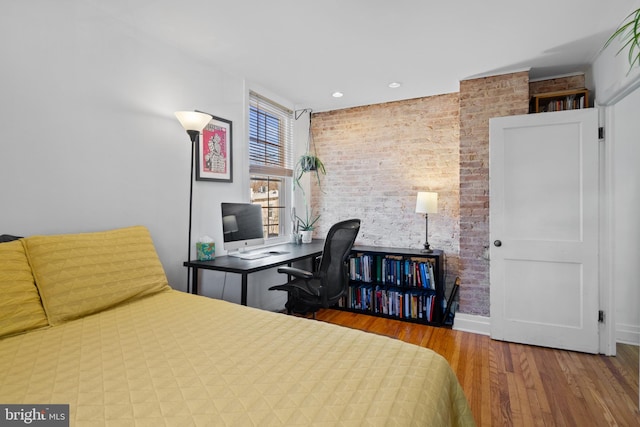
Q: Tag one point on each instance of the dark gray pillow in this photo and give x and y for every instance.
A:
(8, 238)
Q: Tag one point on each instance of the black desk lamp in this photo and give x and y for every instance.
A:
(426, 203)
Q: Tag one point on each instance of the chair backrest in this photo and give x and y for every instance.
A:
(333, 270)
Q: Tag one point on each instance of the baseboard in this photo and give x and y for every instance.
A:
(628, 334)
(472, 323)
(625, 334)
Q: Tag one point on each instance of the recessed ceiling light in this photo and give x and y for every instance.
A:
(394, 85)
(337, 94)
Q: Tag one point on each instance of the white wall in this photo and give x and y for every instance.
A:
(619, 95)
(626, 214)
(89, 140)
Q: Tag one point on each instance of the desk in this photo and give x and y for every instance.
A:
(245, 267)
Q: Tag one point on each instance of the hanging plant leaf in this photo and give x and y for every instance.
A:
(630, 35)
(309, 163)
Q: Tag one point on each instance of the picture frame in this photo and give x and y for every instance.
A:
(214, 151)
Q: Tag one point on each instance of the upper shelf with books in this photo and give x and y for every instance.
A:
(559, 101)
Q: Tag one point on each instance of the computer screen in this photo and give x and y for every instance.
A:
(241, 225)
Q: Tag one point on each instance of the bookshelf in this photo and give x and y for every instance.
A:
(398, 283)
(559, 101)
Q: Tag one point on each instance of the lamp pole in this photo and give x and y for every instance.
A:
(194, 137)
(427, 249)
(193, 122)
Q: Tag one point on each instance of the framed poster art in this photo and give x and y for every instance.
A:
(214, 151)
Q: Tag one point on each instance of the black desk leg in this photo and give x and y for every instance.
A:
(289, 276)
(243, 295)
(194, 281)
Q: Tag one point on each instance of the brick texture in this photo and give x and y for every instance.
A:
(555, 85)
(480, 100)
(379, 156)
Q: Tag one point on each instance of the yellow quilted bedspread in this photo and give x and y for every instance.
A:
(178, 360)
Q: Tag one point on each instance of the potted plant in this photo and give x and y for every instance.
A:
(630, 34)
(305, 226)
(309, 163)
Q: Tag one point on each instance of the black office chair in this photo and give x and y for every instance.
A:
(310, 291)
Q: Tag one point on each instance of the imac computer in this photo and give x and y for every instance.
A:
(242, 228)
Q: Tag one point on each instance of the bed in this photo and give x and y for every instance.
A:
(89, 320)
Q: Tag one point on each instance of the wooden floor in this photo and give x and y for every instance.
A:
(518, 385)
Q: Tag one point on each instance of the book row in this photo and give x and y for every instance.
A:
(569, 103)
(400, 303)
(416, 273)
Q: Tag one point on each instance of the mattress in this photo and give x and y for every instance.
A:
(177, 359)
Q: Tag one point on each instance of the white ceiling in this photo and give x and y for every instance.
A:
(305, 50)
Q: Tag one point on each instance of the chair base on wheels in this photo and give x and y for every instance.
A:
(294, 304)
(311, 291)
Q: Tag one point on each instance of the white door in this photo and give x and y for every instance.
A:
(544, 229)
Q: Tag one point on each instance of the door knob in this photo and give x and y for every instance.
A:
(497, 243)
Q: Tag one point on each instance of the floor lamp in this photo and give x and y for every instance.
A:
(193, 122)
(427, 203)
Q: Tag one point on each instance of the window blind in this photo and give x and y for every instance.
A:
(270, 137)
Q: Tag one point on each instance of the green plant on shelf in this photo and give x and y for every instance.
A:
(308, 222)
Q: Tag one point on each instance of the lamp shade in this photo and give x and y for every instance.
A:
(427, 202)
(192, 120)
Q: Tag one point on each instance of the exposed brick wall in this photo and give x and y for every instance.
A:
(377, 158)
(555, 85)
(480, 100)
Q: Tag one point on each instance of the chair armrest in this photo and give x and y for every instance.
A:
(296, 272)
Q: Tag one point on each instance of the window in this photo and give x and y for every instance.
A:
(270, 161)
(266, 191)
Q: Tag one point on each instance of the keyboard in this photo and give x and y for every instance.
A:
(254, 255)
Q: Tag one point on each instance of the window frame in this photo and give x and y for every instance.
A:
(277, 171)
(282, 223)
